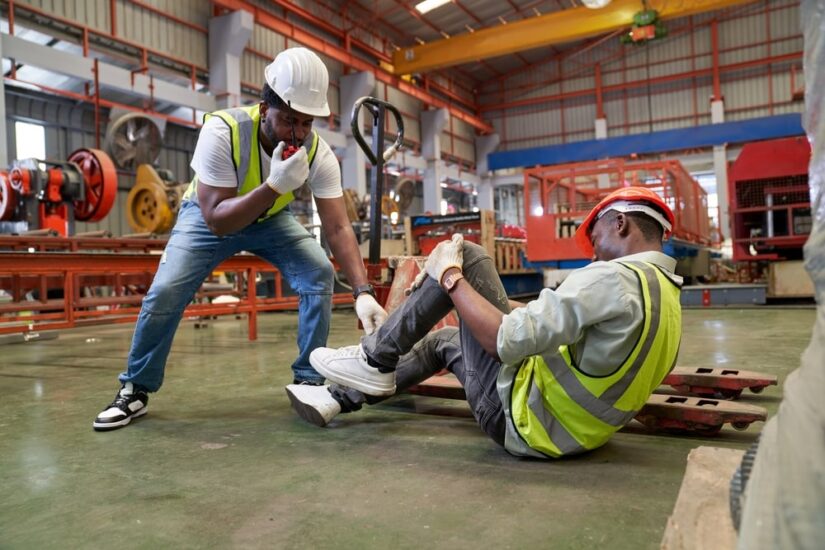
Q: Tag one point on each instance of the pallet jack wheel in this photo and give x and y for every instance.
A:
(757, 389)
(728, 394)
(741, 426)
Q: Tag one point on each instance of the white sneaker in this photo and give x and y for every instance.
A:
(313, 403)
(348, 367)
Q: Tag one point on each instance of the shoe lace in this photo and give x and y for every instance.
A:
(122, 399)
(349, 351)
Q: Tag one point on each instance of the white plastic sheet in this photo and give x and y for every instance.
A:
(785, 497)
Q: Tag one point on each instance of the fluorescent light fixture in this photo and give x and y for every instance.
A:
(430, 5)
(595, 4)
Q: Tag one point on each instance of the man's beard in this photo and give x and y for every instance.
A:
(269, 132)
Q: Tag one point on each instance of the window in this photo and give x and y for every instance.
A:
(31, 140)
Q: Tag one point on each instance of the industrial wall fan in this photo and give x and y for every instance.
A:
(133, 139)
(404, 194)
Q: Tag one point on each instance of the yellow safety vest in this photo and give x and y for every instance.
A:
(556, 409)
(244, 124)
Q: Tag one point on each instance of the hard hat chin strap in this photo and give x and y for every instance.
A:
(630, 206)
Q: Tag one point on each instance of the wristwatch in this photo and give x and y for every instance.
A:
(450, 281)
(360, 289)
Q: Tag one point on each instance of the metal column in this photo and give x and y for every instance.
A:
(228, 36)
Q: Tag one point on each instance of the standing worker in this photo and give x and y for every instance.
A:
(247, 163)
(554, 378)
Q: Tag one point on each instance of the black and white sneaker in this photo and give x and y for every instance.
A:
(129, 403)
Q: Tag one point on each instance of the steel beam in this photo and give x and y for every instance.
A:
(554, 28)
(77, 66)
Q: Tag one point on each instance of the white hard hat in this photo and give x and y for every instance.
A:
(299, 77)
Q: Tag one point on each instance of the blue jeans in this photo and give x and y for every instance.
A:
(405, 342)
(193, 252)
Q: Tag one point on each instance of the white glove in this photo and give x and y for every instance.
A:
(290, 174)
(446, 255)
(371, 314)
(419, 279)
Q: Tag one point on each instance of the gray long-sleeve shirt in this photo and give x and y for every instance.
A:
(599, 308)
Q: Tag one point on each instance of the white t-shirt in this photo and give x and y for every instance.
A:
(212, 162)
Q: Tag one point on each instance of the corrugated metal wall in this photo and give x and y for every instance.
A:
(92, 13)
(155, 31)
(640, 90)
(70, 126)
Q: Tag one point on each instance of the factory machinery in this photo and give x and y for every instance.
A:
(557, 199)
(49, 196)
(52, 278)
(770, 212)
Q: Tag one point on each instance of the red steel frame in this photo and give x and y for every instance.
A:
(567, 192)
(68, 265)
(770, 200)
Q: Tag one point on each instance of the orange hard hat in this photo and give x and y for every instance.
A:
(626, 199)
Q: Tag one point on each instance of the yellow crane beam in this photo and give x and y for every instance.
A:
(543, 30)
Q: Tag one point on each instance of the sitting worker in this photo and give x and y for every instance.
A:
(554, 378)
(237, 202)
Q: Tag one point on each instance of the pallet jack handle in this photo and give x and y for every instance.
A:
(377, 158)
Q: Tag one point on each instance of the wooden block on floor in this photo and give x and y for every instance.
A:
(701, 517)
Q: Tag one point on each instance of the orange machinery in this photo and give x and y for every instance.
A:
(50, 195)
(557, 199)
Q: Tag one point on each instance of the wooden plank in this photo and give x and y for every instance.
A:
(701, 516)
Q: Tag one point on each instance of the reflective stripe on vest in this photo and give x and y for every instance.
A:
(244, 124)
(556, 409)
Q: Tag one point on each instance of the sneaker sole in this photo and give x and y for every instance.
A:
(310, 414)
(364, 386)
(109, 426)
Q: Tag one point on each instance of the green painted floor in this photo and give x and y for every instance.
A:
(221, 460)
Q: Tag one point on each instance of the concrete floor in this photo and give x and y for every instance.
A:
(221, 460)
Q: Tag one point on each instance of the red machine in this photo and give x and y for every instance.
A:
(770, 203)
(44, 194)
(557, 199)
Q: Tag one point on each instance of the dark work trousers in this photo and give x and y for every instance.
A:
(405, 341)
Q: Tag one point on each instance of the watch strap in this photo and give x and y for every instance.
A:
(361, 289)
(452, 281)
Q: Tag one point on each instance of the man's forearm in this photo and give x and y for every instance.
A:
(231, 215)
(481, 317)
(345, 250)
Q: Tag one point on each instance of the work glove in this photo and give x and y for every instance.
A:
(290, 174)
(371, 314)
(419, 279)
(446, 255)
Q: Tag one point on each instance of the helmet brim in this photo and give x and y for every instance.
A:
(322, 111)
